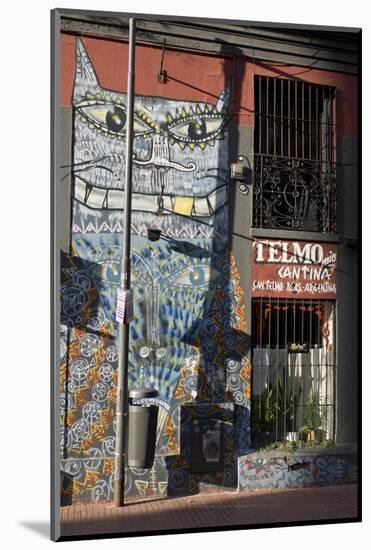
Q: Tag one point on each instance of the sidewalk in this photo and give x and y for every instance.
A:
(222, 508)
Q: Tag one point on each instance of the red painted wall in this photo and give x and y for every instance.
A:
(199, 77)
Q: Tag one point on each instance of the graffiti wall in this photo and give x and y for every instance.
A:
(302, 469)
(188, 338)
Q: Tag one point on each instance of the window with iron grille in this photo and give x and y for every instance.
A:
(293, 376)
(294, 146)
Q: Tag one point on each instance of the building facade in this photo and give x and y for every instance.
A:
(245, 311)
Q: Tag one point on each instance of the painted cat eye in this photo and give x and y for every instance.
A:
(116, 119)
(108, 271)
(197, 129)
(110, 119)
(198, 275)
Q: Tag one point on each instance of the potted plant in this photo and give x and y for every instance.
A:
(303, 432)
(288, 402)
(263, 419)
(313, 419)
(275, 413)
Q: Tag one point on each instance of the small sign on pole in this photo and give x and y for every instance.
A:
(129, 306)
(124, 306)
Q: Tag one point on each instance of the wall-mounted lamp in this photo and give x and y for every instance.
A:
(241, 173)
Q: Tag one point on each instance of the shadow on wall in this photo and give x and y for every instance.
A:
(207, 440)
(215, 423)
(214, 420)
(188, 339)
(66, 488)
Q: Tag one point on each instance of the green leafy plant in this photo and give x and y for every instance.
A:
(287, 403)
(312, 414)
(264, 413)
(291, 446)
(277, 406)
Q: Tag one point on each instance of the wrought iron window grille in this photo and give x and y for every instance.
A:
(295, 165)
(293, 385)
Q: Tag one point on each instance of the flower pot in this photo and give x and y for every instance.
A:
(316, 435)
(311, 435)
(320, 435)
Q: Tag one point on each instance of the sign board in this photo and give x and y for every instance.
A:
(129, 306)
(293, 269)
(124, 306)
(298, 347)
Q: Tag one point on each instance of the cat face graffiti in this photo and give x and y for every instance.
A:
(187, 338)
(179, 155)
(180, 186)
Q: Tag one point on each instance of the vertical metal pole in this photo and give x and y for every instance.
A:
(317, 125)
(274, 117)
(310, 122)
(122, 381)
(260, 152)
(296, 119)
(267, 151)
(282, 118)
(288, 120)
(260, 115)
(302, 120)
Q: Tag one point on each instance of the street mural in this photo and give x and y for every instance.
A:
(188, 338)
(298, 470)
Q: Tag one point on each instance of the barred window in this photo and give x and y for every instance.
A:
(293, 376)
(294, 145)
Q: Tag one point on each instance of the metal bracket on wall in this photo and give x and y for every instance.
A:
(161, 73)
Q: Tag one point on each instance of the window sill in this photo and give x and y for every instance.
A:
(290, 234)
(344, 449)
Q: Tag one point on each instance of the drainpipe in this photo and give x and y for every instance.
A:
(122, 380)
